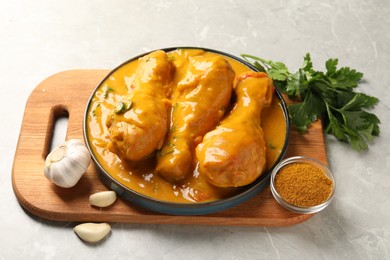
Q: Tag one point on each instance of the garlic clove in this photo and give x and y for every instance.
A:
(102, 199)
(66, 164)
(92, 232)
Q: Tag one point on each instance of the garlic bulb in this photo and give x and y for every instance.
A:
(66, 164)
(92, 232)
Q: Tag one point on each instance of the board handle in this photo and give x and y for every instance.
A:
(55, 97)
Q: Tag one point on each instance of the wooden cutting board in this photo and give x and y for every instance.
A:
(67, 93)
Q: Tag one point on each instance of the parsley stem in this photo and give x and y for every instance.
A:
(264, 62)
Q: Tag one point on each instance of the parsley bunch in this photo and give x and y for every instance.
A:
(328, 95)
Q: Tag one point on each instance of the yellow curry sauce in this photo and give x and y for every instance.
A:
(141, 176)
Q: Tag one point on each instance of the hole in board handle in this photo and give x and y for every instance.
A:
(57, 129)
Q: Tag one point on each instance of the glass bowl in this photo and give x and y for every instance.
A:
(294, 208)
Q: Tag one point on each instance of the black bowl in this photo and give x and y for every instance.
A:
(196, 208)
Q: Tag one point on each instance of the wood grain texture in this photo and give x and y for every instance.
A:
(68, 92)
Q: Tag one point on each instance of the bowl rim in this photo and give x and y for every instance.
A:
(294, 208)
(177, 208)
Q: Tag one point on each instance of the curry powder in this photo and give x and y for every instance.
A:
(303, 185)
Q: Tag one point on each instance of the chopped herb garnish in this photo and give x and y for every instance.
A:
(94, 110)
(106, 91)
(271, 146)
(175, 106)
(122, 107)
(163, 153)
(166, 153)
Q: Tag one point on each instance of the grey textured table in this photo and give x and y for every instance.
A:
(40, 38)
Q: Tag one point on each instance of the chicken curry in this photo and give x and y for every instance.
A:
(186, 125)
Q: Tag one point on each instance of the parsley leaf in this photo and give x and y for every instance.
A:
(304, 113)
(329, 95)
